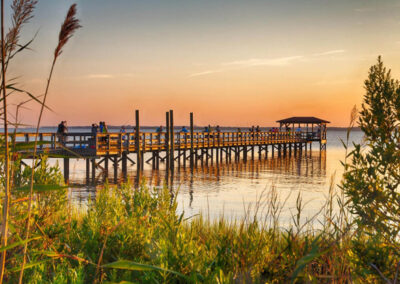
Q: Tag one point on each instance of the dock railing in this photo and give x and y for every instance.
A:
(117, 143)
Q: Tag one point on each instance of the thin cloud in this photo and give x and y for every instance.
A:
(282, 61)
(240, 64)
(110, 76)
(330, 52)
(364, 10)
(100, 76)
(207, 72)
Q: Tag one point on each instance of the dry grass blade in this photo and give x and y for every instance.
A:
(70, 25)
(7, 198)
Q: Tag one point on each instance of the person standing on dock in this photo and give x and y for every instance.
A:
(105, 128)
(95, 129)
(298, 131)
(122, 130)
(101, 126)
(159, 130)
(62, 131)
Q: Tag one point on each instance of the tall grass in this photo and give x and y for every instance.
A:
(138, 236)
(6, 202)
(70, 25)
(22, 12)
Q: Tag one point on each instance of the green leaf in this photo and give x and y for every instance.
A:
(302, 262)
(29, 265)
(122, 282)
(42, 187)
(130, 265)
(16, 244)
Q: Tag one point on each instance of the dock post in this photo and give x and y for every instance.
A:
(185, 150)
(115, 166)
(167, 160)
(179, 149)
(191, 142)
(158, 151)
(171, 118)
(106, 166)
(153, 160)
(217, 148)
(66, 170)
(124, 163)
(142, 151)
(93, 170)
(87, 170)
(137, 144)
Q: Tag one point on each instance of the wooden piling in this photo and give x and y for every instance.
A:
(93, 170)
(167, 149)
(137, 145)
(66, 170)
(115, 166)
(87, 170)
(191, 142)
(124, 162)
(172, 134)
(106, 166)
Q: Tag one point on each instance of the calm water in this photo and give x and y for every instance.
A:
(231, 187)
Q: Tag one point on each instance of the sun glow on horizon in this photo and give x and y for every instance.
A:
(231, 63)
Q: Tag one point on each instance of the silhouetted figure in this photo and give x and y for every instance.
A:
(95, 129)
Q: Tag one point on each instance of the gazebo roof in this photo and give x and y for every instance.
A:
(303, 119)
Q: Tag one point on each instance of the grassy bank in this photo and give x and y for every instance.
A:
(137, 236)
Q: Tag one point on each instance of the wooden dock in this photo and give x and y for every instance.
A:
(171, 147)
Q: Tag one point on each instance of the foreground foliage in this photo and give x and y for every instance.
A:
(372, 177)
(137, 235)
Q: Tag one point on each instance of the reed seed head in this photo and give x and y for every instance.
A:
(70, 25)
(22, 13)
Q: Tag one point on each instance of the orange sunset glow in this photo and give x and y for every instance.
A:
(246, 63)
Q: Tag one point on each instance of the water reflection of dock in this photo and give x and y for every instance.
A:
(308, 169)
(310, 165)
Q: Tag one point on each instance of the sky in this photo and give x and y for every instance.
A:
(231, 63)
